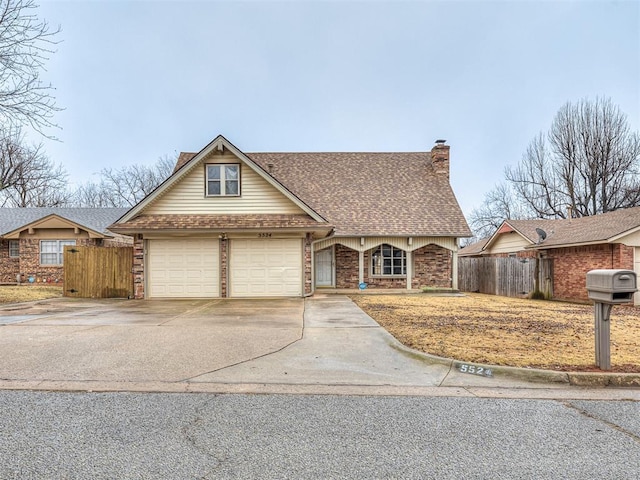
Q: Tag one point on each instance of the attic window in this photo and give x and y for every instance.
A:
(223, 180)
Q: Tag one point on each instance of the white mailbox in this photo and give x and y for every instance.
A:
(611, 286)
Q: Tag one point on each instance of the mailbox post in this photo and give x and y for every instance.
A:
(608, 288)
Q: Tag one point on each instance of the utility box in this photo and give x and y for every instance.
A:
(611, 286)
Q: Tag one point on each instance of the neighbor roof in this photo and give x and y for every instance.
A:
(601, 228)
(473, 248)
(368, 194)
(96, 219)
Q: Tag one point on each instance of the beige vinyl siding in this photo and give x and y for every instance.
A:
(509, 243)
(256, 195)
(631, 240)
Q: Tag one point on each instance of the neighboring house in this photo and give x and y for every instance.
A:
(575, 246)
(32, 239)
(235, 224)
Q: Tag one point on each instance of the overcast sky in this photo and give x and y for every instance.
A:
(139, 80)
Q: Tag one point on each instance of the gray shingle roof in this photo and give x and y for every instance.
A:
(97, 219)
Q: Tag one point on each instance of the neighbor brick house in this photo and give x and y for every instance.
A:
(32, 239)
(234, 224)
(575, 246)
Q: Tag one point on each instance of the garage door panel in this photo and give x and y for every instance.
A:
(183, 268)
(266, 268)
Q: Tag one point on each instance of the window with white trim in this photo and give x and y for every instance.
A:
(223, 180)
(14, 248)
(387, 260)
(51, 251)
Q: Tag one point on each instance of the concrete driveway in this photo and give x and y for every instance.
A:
(316, 345)
(140, 341)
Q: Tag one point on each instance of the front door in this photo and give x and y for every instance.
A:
(324, 268)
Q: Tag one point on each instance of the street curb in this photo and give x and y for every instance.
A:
(535, 375)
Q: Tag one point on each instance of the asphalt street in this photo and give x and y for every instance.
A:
(53, 435)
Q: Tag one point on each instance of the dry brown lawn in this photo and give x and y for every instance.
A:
(27, 293)
(506, 331)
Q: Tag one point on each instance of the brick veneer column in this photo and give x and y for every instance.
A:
(138, 269)
(224, 257)
(307, 265)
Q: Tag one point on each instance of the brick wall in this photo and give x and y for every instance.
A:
(570, 267)
(9, 267)
(431, 267)
(346, 267)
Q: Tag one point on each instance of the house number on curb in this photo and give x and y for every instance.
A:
(475, 370)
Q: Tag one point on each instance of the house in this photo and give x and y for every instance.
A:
(234, 224)
(32, 239)
(573, 245)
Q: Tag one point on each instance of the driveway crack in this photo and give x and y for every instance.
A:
(302, 331)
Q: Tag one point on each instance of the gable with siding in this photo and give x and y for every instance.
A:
(188, 196)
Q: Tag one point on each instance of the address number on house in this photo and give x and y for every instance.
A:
(475, 370)
(264, 235)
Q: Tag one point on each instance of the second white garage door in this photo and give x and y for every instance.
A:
(183, 268)
(265, 267)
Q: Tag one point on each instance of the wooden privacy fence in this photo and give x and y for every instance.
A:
(505, 276)
(98, 272)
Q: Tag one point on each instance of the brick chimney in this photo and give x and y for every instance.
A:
(440, 158)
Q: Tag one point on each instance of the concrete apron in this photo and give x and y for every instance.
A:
(323, 345)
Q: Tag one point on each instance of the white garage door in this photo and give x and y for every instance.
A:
(183, 268)
(265, 267)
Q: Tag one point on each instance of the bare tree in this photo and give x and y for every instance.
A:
(27, 177)
(589, 160)
(126, 186)
(25, 45)
(499, 204)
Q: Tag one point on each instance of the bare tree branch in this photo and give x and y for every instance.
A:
(25, 45)
(126, 186)
(27, 177)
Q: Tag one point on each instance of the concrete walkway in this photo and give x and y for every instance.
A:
(314, 346)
